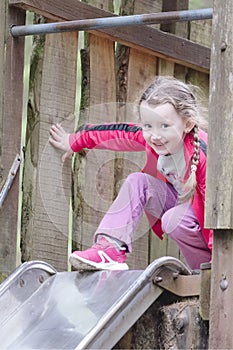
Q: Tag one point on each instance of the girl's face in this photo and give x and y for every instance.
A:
(163, 128)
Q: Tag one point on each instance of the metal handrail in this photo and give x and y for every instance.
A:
(109, 22)
(138, 285)
(22, 269)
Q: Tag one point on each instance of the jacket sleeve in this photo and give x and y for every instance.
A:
(115, 137)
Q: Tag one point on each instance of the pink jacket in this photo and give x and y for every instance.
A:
(128, 137)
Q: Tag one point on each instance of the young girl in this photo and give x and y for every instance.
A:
(170, 188)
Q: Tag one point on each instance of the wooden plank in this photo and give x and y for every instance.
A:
(221, 291)
(219, 194)
(201, 32)
(201, 80)
(3, 19)
(11, 98)
(219, 191)
(59, 76)
(153, 41)
(53, 101)
(178, 28)
(148, 6)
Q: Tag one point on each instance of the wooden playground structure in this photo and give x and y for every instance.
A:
(52, 207)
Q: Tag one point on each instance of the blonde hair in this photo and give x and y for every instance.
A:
(184, 98)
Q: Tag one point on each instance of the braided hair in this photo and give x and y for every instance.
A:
(190, 184)
(183, 98)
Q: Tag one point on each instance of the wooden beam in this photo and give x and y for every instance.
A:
(219, 213)
(219, 194)
(221, 318)
(11, 100)
(161, 44)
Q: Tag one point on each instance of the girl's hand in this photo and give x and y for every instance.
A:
(59, 138)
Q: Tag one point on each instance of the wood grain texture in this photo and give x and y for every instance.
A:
(11, 98)
(150, 40)
(221, 291)
(48, 227)
(219, 193)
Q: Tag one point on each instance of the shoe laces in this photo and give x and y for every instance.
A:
(102, 243)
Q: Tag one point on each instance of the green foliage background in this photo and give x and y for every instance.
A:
(199, 4)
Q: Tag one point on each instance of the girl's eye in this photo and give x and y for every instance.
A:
(164, 126)
(147, 126)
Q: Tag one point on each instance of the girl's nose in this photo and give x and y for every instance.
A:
(155, 136)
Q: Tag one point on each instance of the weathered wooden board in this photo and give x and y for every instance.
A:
(201, 32)
(177, 28)
(219, 192)
(221, 291)
(11, 99)
(46, 234)
(150, 40)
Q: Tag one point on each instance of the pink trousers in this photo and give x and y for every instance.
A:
(143, 192)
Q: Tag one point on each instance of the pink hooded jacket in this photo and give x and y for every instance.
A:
(129, 137)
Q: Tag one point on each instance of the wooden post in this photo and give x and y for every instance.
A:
(220, 176)
(11, 98)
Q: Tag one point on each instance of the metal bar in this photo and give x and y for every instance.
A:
(184, 286)
(140, 283)
(116, 21)
(21, 271)
(10, 178)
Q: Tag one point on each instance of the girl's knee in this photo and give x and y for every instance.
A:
(171, 226)
(178, 226)
(170, 229)
(136, 179)
(167, 222)
(136, 175)
(179, 218)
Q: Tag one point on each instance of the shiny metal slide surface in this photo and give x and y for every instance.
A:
(44, 309)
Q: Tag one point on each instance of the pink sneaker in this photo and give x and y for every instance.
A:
(102, 255)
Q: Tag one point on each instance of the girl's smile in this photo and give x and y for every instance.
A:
(163, 128)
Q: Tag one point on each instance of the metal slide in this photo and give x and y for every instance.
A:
(41, 308)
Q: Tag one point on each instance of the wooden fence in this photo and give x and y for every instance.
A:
(60, 205)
